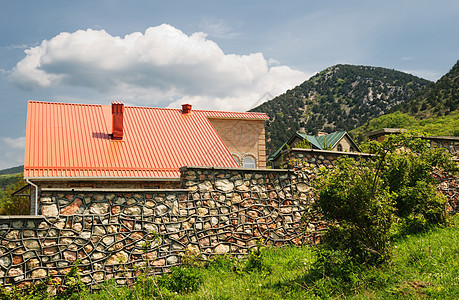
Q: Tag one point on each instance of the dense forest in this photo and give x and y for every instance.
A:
(341, 97)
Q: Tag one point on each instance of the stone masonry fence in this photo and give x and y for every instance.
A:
(117, 234)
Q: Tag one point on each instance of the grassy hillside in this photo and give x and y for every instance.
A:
(435, 126)
(341, 97)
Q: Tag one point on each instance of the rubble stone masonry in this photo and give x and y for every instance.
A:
(116, 234)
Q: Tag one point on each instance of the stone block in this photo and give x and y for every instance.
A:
(49, 210)
(224, 185)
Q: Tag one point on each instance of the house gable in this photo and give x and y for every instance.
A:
(243, 138)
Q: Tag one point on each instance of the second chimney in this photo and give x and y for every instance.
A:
(117, 120)
(186, 108)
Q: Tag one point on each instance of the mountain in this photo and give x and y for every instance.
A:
(341, 97)
(438, 99)
(12, 170)
(434, 110)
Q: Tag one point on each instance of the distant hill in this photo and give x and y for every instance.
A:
(13, 170)
(438, 99)
(434, 110)
(341, 97)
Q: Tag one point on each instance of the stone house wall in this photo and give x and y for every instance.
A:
(116, 234)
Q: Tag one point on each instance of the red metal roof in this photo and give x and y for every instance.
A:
(73, 140)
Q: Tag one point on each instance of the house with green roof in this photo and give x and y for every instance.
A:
(339, 141)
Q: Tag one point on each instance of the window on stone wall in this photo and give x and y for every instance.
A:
(236, 159)
(249, 162)
(339, 148)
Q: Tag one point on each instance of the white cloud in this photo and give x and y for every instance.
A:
(162, 65)
(218, 28)
(15, 46)
(11, 152)
(16, 143)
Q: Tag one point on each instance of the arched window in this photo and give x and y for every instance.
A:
(249, 162)
(236, 159)
(339, 148)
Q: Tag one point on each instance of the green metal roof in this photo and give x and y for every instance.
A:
(322, 142)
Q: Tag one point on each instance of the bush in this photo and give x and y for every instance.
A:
(181, 280)
(407, 165)
(359, 210)
(255, 262)
(361, 199)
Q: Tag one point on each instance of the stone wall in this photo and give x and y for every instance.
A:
(116, 234)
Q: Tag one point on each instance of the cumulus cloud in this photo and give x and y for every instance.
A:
(12, 151)
(162, 65)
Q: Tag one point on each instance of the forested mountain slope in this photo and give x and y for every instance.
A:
(341, 97)
(434, 110)
(438, 99)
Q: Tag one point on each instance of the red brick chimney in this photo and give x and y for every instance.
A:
(186, 108)
(117, 120)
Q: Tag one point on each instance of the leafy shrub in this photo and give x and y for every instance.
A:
(407, 165)
(181, 280)
(359, 211)
(360, 199)
(71, 286)
(37, 291)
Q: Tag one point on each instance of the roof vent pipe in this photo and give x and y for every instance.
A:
(117, 120)
(186, 108)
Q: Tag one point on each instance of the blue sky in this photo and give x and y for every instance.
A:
(228, 55)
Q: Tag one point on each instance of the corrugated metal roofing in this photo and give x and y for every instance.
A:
(321, 142)
(324, 141)
(73, 140)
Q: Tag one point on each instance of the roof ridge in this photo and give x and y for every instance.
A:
(145, 107)
(60, 103)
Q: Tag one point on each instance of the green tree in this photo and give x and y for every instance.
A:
(14, 205)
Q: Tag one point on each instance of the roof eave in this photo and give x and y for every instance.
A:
(105, 178)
